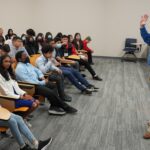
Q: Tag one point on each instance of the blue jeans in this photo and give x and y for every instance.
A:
(18, 127)
(75, 78)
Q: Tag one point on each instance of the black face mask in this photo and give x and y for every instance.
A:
(27, 60)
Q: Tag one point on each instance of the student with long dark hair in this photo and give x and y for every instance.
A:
(81, 46)
(30, 45)
(40, 41)
(9, 86)
(48, 37)
(9, 34)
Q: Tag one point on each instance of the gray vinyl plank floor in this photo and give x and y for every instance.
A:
(112, 119)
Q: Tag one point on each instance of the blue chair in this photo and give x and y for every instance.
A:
(130, 49)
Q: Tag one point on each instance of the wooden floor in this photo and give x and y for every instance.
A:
(112, 119)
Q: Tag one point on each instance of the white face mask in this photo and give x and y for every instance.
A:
(49, 36)
(58, 46)
(23, 38)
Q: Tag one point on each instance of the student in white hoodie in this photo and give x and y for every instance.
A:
(9, 87)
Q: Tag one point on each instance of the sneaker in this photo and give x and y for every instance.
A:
(56, 111)
(26, 147)
(97, 78)
(93, 86)
(70, 110)
(27, 123)
(43, 145)
(87, 91)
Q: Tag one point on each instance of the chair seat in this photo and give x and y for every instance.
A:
(3, 129)
(21, 109)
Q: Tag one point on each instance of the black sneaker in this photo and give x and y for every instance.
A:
(56, 111)
(26, 147)
(87, 91)
(97, 78)
(70, 110)
(43, 145)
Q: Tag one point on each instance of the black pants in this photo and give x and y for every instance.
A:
(87, 66)
(59, 79)
(51, 95)
(90, 59)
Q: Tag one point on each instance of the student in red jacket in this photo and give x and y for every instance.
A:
(89, 51)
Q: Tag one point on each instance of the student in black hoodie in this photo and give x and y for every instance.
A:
(30, 46)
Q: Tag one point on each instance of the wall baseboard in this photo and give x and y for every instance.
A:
(109, 57)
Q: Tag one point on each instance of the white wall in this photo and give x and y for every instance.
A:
(16, 14)
(108, 22)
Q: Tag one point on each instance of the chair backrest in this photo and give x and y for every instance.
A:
(129, 41)
(33, 58)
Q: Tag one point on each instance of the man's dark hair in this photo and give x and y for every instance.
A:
(16, 38)
(30, 32)
(64, 36)
(6, 48)
(18, 56)
(47, 48)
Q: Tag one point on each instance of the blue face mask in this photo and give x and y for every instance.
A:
(58, 46)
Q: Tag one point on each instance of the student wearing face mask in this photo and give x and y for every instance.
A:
(48, 37)
(23, 37)
(40, 41)
(30, 46)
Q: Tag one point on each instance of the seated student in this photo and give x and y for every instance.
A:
(68, 48)
(74, 51)
(9, 86)
(56, 75)
(45, 63)
(18, 128)
(61, 58)
(30, 46)
(15, 47)
(48, 37)
(89, 51)
(9, 34)
(40, 41)
(2, 40)
(26, 72)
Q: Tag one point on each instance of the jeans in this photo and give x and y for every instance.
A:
(18, 127)
(75, 78)
(87, 66)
